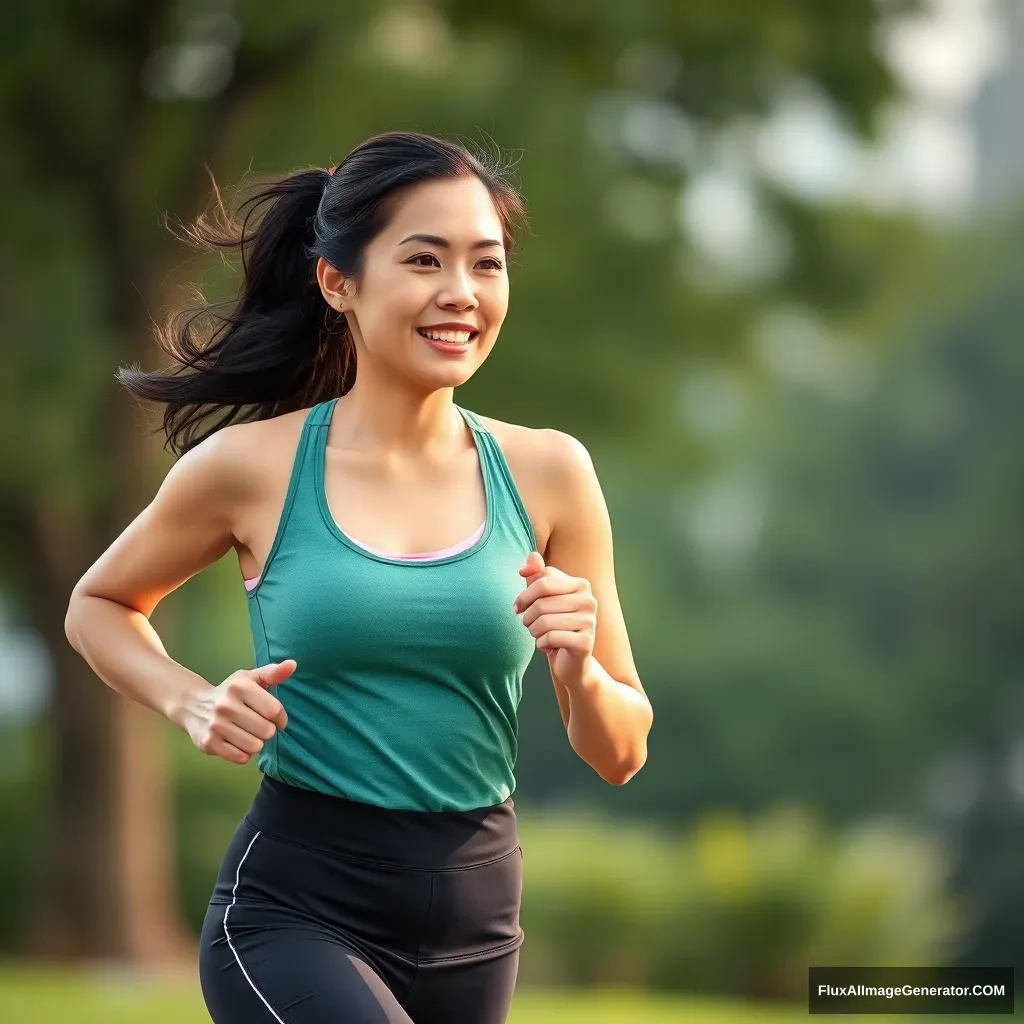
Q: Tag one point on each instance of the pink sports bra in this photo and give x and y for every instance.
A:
(443, 553)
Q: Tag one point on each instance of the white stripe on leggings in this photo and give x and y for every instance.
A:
(227, 934)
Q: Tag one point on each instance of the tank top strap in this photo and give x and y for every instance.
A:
(320, 414)
(309, 450)
(509, 504)
(300, 499)
(473, 420)
(311, 455)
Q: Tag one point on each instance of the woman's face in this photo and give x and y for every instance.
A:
(440, 261)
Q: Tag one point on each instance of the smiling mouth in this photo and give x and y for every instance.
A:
(448, 337)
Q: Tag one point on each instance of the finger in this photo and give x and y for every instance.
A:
(227, 752)
(573, 622)
(266, 705)
(564, 639)
(547, 585)
(274, 673)
(254, 723)
(530, 594)
(534, 564)
(237, 737)
(551, 603)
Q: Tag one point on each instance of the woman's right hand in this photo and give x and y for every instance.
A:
(234, 719)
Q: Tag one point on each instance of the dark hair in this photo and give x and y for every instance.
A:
(283, 347)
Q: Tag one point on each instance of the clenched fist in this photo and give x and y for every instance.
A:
(234, 719)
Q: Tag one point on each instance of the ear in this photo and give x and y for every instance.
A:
(335, 286)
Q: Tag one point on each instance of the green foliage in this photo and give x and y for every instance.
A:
(733, 905)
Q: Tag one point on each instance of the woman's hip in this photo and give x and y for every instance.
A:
(356, 871)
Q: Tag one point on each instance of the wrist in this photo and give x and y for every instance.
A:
(585, 680)
(185, 706)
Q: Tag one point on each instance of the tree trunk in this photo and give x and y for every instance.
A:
(107, 883)
(107, 880)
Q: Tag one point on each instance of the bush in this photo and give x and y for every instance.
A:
(732, 906)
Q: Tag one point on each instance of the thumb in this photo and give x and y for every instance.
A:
(274, 673)
(534, 564)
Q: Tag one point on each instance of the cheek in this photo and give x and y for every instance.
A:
(397, 300)
(493, 296)
(495, 307)
(407, 297)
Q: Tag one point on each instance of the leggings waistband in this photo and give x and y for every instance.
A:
(415, 839)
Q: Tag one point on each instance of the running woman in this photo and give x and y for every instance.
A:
(402, 558)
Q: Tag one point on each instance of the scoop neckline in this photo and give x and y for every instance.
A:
(320, 466)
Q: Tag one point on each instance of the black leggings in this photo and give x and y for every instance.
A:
(330, 910)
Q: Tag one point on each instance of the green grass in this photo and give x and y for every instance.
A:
(36, 995)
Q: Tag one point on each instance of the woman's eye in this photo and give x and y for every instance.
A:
(488, 264)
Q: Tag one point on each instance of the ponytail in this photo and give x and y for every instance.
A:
(283, 347)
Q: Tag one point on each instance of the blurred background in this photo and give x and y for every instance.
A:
(774, 284)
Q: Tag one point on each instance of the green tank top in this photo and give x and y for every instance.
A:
(409, 673)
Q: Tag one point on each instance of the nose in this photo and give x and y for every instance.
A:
(458, 292)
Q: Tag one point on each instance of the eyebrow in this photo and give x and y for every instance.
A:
(443, 243)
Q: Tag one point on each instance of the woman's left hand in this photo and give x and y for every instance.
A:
(561, 612)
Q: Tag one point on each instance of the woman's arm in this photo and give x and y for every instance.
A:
(188, 526)
(608, 717)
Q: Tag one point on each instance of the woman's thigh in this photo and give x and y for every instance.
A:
(299, 935)
(256, 964)
(474, 992)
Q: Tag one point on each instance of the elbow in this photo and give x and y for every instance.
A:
(69, 628)
(626, 771)
(629, 767)
(70, 624)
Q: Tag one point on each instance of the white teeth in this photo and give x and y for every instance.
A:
(452, 337)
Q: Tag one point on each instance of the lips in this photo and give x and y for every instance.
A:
(456, 351)
(448, 336)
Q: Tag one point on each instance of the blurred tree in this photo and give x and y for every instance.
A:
(110, 111)
(906, 551)
(73, 100)
(864, 657)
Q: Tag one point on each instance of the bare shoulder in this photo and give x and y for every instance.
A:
(543, 451)
(278, 429)
(531, 450)
(191, 521)
(263, 452)
(538, 458)
(242, 453)
(513, 433)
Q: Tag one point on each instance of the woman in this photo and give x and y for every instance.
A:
(389, 540)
